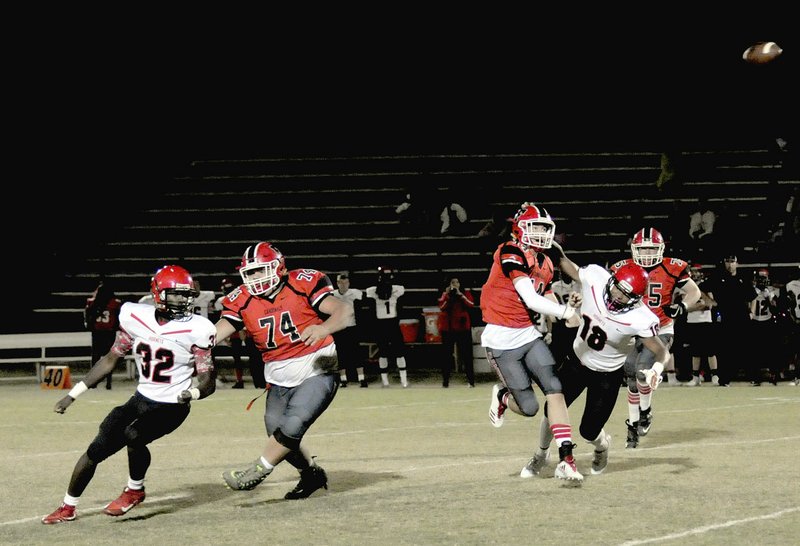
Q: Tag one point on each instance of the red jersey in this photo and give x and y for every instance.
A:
(105, 319)
(500, 302)
(455, 311)
(664, 277)
(275, 321)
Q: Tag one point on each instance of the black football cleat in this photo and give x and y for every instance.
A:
(311, 479)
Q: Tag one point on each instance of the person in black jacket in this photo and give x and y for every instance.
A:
(733, 294)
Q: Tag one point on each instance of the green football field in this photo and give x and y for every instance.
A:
(416, 466)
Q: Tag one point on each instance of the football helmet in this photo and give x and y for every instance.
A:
(647, 247)
(631, 280)
(533, 227)
(263, 267)
(173, 279)
(385, 282)
(761, 278)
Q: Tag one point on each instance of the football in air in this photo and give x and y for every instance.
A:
(762, 53)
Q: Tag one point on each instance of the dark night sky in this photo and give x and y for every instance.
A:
(151, 109)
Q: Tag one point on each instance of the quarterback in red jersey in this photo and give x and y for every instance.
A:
(291, 316)
(519, 277)
(666, 274)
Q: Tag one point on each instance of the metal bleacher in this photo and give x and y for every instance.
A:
(337, 213)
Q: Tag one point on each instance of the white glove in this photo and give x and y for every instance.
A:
(548, 338)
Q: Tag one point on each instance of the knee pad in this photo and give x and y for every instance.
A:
(529, 406)
(287, 441)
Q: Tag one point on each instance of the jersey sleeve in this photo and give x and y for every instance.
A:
(317, 285)
(232, 305)
(512, 261)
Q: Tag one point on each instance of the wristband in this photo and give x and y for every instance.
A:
(658, 367)
(195, 393)
(78, 390)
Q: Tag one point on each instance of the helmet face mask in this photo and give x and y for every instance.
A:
(647, 247)
(762, 278)
(625, 288)
(173, 292)
(533, 227)
(263, 267)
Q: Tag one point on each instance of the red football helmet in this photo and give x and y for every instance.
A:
(263, 267)
(533, 227)
(647, 247)
(173, 279)
(631, 280)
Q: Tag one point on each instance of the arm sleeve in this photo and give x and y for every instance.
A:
(538, 303)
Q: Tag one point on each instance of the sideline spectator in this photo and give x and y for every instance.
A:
(388, 335)
(101, 318)
(204, 302)
(701, 330)
(701, 221)
(763, 312)
(701, 229)
(347, 347)
(418, 211)
(456, 329)
(453, 216)
(733, 295)
(233, 345)
(792, 302)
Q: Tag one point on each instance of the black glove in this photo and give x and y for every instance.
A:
(184, 397)
(674, 310)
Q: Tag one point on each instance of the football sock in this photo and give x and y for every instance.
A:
(545, 435)
(633, 406)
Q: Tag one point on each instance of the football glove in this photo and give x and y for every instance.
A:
(674, 310)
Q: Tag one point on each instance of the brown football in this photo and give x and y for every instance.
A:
(762, 53)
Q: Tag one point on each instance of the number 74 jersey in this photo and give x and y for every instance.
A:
(604, 338)
(276, 321)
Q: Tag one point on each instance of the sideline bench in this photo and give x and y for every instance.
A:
(41, 349)
(62, 348)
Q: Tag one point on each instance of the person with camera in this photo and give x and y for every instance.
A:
(455, 327)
